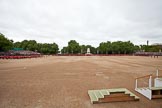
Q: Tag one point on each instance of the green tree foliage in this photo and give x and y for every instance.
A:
(105, 48)
(136, 48)
(5, 44)
(64, 50)
(151, 48)
(85, 47)
(73, 47)
(117, 47)
(26, 45)
(17, 45)
(32, 45)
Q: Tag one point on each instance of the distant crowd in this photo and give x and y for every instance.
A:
(148, 53)
(11, 54)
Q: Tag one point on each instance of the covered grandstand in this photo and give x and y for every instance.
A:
(19, 54)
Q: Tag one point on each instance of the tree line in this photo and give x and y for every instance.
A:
(117, 47)
(31, 45)
(108, 47)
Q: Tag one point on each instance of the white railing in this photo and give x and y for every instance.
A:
(150, 76)
(157, 73)
(146, 76)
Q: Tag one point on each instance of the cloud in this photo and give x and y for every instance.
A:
(87, 21)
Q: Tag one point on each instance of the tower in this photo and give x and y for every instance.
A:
(147, 42)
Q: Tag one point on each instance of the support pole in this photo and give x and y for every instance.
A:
(157, 73)
(136, 84)
(150, 82)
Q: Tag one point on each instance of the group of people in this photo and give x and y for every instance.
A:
(152, 54)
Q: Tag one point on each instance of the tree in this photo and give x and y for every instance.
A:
(73, 47)
(17, 45)
(64, 50)
(32, 45)
(92, 49)
(128, 47)
(117, 47)
(53, 49)
(24, 44)
(48, 48)
(105, 47)
(136, 48)
(5, 44)
(85, 47)
(150, 48)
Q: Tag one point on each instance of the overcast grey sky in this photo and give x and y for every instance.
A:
(86, 21)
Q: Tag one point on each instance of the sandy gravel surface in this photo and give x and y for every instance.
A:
(63, 82)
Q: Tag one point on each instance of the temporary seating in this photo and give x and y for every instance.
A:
(19, 57)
